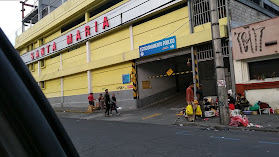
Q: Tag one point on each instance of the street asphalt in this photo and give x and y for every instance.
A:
(156, 130)
(131, 139)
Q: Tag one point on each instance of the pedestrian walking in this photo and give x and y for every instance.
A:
(90, 99)
(113, 104)
(190, 101)
(101, 101)
(201, 99)
(107, 102)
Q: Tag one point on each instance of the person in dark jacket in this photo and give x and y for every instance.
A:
(231, 100)
(113, 104)
(241, 102)
(107, 102)
(200, 98)
(101, 101)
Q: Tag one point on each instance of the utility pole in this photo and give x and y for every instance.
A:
(219, 65)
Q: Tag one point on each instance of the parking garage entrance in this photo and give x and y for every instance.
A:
(163, 75)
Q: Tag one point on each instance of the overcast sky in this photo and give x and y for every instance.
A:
(10, 17)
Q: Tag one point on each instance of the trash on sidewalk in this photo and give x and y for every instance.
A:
(239, 121)
(235, 112)
(182, 112)
(258, 126)
(209, 113)
(217, 113)
(247, 112)
(90, 108)
(119, 108)
(179, 114)
(252, 125)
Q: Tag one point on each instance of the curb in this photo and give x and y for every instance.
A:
(223, 127)
(73, 111)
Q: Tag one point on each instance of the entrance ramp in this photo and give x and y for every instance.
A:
(174, 101)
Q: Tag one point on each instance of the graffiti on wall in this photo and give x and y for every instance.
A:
(250, 40)
(120, 88)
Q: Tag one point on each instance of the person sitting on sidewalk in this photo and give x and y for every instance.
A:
(241, 102)
(231, 102)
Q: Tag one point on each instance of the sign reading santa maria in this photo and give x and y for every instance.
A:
(74, 37)
(123, 14)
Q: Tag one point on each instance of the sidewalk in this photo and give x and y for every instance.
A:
(269, 123)
(71, 109)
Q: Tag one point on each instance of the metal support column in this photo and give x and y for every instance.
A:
(194, 72)
(39, 10)
(219, 65)
(193, 53)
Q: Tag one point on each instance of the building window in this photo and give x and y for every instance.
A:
(258, 2)
(182, 5)
(42, 41)
(55, 55)
(43, 84)
(271, 9)
(104, 6)
(32, 68)
(261, 70)
(73, 24)
(32, 46)
(201, 13)
(43, 63)
(74, 48)
(205, 51)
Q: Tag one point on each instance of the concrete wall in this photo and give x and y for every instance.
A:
(264, 95)
(157, 84)
(111, 78)
(124, 100)
(263, 32)
(56, 101)
(242, 14)
(156, 97)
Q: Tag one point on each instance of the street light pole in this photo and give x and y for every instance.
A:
(219, 65)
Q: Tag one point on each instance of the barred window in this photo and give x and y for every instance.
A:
(271, 9)
(43, 85)
(256, 1)
(261, 70)
(205, 51)
(201, 13)
(43, 63)
(32, 68)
